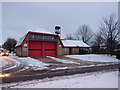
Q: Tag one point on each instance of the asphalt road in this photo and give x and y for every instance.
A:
(48, 73)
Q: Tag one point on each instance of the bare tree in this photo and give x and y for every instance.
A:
(84, 33)
(97, 44)
(9, 44)
(69, 37)
(109, 32)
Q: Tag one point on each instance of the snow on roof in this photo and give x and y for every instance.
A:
(38, 30)
(21, 40)
(41, 30)
(74, 43)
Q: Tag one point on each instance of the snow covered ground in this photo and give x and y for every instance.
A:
(27, 62)
(94, 57)
(61, 60)
(89, 80)
(33, 63)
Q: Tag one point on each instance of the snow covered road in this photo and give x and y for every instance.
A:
(10, 64)
(3, 63)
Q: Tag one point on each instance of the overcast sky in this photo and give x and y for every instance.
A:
(18, 18)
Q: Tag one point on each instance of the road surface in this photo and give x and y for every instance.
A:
(16, 70)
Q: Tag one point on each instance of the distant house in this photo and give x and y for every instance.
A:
(44, 43)
(74, 46)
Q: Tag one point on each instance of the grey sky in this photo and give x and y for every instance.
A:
(18, 18)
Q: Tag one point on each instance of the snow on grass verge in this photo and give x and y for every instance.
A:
(63, 61)
(94, 57)
(88, 80)
(33, 63)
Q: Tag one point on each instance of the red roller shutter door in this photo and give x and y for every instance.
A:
(50, 48)
(42, 48)
(35, 48)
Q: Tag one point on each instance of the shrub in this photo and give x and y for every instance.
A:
(118, 54)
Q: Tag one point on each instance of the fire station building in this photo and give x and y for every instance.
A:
(44, 43)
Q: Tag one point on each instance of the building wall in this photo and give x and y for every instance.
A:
(75, 50)
(18, 51)
(22, 50)
(25, 48)
(59, 48)
(65, 51)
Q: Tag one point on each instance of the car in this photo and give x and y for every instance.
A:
(5, 53)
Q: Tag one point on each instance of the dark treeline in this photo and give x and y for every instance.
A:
(10, 44)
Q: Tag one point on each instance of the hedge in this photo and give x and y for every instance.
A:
(118, 54)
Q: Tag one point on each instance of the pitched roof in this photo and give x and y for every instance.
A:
(38, 30)
(66, 43)
(41, 30)
(21, 40)
(74, 43)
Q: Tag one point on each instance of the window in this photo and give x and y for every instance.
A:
(33, 36)
(42, 37)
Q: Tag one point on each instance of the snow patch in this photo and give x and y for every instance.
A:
(41, 30)
(60, 68)
(33, 63)
(63, 61)
(74, 43)
(21, 40)
(94, 57)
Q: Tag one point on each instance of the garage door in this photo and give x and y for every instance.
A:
(35, 48)
(50, 48)
(41, 48)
